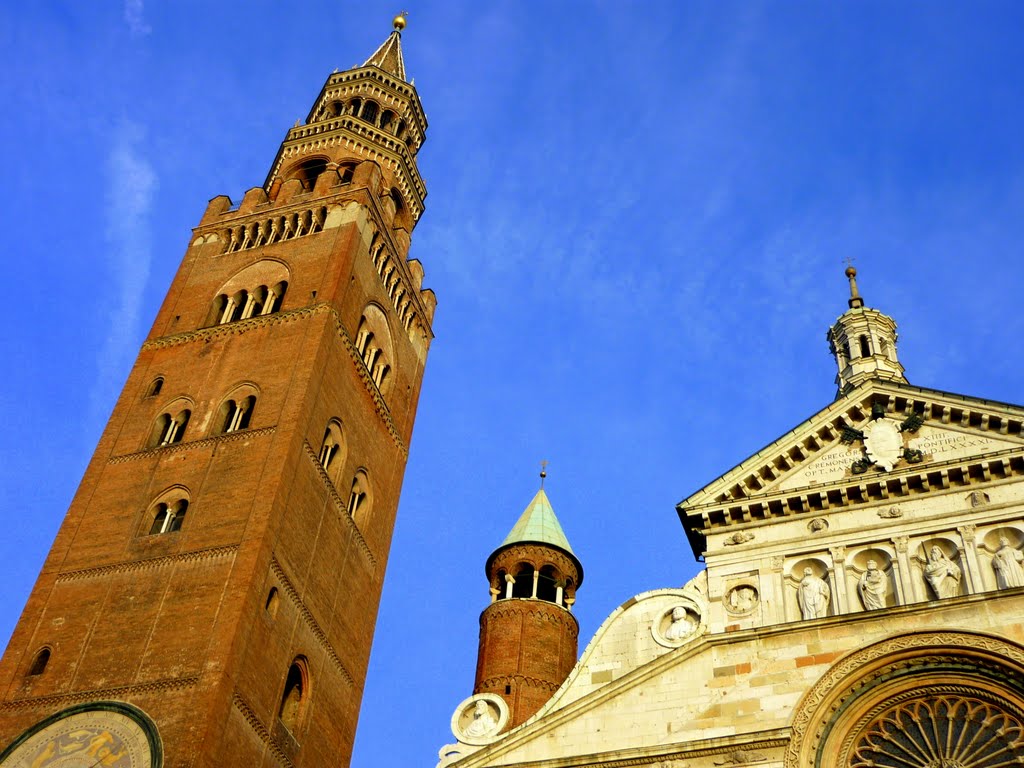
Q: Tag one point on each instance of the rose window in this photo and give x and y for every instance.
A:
(941, 731)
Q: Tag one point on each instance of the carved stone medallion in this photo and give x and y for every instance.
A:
(676, 625)
(741, 599)
(479, 719)
(883, 443)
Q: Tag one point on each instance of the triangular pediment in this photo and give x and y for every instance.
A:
(814, 453)
(926, 431)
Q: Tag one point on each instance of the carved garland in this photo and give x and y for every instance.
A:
(342, 507)
(530, 682)
(260, 730)
(145, 565)
(188, 445)
(121, 693)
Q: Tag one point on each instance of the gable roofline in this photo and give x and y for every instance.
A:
(748, 486)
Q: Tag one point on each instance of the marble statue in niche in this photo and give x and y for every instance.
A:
(1007, 564)
(942, 574)
(813, 596)
(872, 587)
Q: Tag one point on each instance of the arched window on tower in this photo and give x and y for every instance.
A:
(547, 584)
(155, 386)
(332, 450)
(236, 413)
(387, 117)
(39, 663)
(369, 112)
(168, 517)
(308, 172)
(865, 346)
(295, 697)
(373, 343)
(359, 497)
(524, 581)
(355, 106)
(346, 172)
(170, 429)
(246, 294)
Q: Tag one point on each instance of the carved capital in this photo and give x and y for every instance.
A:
(900, 542)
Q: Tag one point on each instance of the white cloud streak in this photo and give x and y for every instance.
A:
(133, 16)
(131, 184)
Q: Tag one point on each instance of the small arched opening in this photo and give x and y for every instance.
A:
(273, 600)
(369, 111)
(39, 663)
(547, 584)
(308, 172)
(865, 346)
(524, 581)
(168, 517)
(295, 696)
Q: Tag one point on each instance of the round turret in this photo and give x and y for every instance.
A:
(528, 635)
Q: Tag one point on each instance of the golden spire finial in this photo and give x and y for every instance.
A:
(400, 21)
(851, 275)
(543, 473)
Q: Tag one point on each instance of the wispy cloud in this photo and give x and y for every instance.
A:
(133, 16)
(131, 183)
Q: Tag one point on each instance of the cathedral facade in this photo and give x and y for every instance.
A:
(210, 598)
(860, 603)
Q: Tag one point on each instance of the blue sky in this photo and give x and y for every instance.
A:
(636, 227)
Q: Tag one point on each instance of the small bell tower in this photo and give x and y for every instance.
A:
(528, 635)
(863, 341)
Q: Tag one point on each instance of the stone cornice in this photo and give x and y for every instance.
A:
(260, 730)
(341, 506)
(909, 482)
(235, 328)
(123, 693)
(310, 621)
(228, 437)
(149, 564)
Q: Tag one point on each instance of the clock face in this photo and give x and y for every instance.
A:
(86, 738)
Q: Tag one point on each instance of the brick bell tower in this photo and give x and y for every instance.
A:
(528, 635)
(210, 598)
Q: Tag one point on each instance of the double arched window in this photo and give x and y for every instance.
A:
(236, 412)
(170, 426)
(168, 514)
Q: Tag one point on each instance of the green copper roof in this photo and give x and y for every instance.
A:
(538, 524)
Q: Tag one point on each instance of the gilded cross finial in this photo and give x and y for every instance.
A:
(543, 473)
(400, 21)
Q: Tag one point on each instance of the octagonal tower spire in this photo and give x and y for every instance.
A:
(863, 341)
